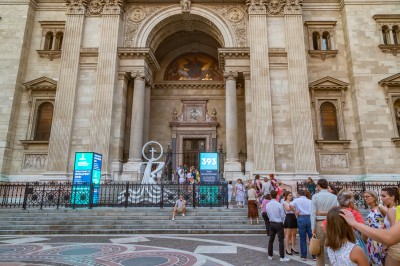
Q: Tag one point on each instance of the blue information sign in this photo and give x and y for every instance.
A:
(209, 167)
(87, 172)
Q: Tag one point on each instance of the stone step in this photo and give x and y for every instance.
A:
(134, 231)
(129, 220)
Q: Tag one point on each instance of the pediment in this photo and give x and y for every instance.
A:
(328, 83)
(393, 80)
(42, 83)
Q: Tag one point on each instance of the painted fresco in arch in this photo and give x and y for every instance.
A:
(193, 66)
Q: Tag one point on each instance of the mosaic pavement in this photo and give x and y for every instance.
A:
(138, 250)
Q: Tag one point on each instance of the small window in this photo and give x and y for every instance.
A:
(385, 35)
(43, 122)
(329, 121)
(48, 44)
(315, 38)
(59, 39)
(396, 108)
(325, 41)
(396, 33)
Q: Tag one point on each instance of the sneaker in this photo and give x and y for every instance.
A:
(303, 259)
(270, 257)
(173, 219)
(284, 259)
(183, 214)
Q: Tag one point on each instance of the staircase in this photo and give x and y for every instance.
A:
(127, 221)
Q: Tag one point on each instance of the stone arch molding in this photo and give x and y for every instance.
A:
(224, 27)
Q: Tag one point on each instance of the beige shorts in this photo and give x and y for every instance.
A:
(394, 251)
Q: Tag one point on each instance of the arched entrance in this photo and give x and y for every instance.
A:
(187, 100)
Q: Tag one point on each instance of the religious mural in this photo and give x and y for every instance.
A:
(193, 66)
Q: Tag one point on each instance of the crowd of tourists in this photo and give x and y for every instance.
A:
(326, 220)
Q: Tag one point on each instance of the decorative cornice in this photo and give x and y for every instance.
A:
(344, 143)
(323, 54)
(236, 53)
(26, 143)
(386, 17)
(277, 52)
(89, 52)
(191, 85)
(76, 7)
(145, 53)
(393, 49)
(393, 80)
(50, 54)
(41, 84)
(328, 83)
(320, 24)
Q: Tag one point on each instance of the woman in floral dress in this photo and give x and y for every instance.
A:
(375, 220)
(239, 193)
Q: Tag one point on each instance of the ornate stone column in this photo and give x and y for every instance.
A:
(146, 128)
(136, 138)
(249, 123)
(232, 158)
(263, 140)
(303, 144)
(100, 134)
(61, 128)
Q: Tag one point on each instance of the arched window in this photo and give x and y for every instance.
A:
(329, 121)
(326, 41)
(385, 35)
(48, 43)
(43, 121)
(59, 39)
(396, 33)
(315, 39)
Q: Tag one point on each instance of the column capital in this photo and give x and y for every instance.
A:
(247, 75)
(122, 75)
(76, 7)
(293, 7)
(256, 7)
(229, 75)
(142, 76)
(113, 7)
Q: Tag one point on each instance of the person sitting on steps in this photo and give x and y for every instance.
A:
(180, 207)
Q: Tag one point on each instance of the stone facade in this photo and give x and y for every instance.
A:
(107, 69)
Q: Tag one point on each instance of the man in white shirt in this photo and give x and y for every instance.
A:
(266, 186)
(276, 217)
(322, 202)
(302, 207)
(180, 207)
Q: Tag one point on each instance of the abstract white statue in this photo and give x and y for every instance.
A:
(150, 190)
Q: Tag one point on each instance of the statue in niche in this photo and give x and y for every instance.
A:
(185, 4)
(398, 119)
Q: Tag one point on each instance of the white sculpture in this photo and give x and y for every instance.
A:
(149, 189)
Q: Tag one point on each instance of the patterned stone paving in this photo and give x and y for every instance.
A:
(138, 250)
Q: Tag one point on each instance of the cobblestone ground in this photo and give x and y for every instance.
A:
(140, 250)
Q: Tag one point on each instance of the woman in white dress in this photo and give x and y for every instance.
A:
(341, 241)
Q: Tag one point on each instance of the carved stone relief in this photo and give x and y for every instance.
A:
(34, 162)
(136, 14)
(235, 15)
(275, 7)
(331, 161)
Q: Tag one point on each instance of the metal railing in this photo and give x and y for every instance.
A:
(358, 188)
(65, 195)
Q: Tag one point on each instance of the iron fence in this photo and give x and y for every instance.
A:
(65, 195)
(358, 188)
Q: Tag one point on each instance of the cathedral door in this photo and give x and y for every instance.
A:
(191, 149)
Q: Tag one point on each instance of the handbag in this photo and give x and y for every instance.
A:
(315, 247)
